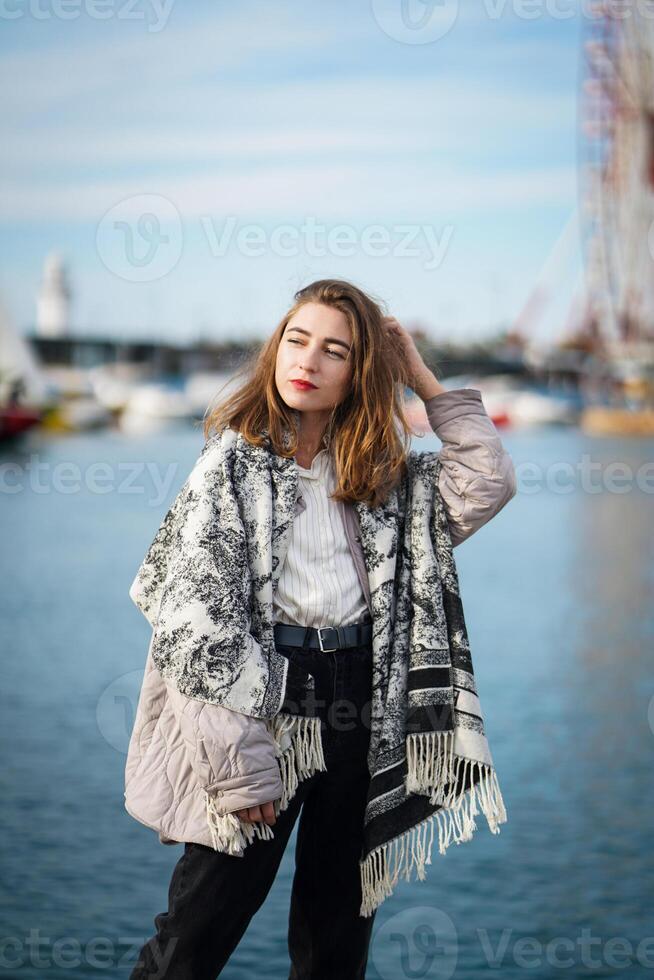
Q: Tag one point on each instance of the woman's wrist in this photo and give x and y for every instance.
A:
(426, 386)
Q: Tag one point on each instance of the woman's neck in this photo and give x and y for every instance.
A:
(305, 456)
(311, 440)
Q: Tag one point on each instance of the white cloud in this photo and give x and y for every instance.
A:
(66, 145)
(382, 193)
(74, 72)
(332, 125)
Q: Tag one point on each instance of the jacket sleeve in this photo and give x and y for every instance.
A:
(477, 477)
(233, 756)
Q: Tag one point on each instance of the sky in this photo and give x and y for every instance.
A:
(196, 163)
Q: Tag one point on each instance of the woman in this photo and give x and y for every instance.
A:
(309, 655)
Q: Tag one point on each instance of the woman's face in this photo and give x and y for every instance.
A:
(315, 347)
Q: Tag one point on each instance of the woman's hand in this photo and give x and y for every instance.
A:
(265, 812)
(422, 380)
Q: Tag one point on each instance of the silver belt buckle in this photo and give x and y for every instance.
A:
(325, 649)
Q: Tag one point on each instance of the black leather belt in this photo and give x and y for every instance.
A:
(325, 638)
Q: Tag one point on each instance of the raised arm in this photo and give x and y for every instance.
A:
(477, 475)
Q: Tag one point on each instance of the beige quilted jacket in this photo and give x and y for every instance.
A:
(181, 747)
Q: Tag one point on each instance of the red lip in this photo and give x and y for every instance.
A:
(302, 384)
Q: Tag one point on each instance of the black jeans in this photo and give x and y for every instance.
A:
(213, 896)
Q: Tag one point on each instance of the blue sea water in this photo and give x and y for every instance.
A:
(557, 592)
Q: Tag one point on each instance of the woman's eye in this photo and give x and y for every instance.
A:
(293, 340)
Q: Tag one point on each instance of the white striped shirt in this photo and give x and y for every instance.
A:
(318, 584)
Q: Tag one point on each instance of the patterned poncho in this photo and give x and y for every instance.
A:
(206, 585)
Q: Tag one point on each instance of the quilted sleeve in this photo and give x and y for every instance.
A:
(477, 477)
(233, 755)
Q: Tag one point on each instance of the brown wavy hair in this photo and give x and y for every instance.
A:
(368, 433)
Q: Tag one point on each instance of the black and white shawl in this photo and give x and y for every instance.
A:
(206, 586)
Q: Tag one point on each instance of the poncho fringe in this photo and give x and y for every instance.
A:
(298, 761)
(431, 765)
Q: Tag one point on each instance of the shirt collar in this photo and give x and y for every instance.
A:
(319, 465)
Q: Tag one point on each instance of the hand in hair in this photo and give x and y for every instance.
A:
(423, 381)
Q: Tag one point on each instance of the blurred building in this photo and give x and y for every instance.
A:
(53, 301)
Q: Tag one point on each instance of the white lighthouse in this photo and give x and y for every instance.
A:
(53, 302)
